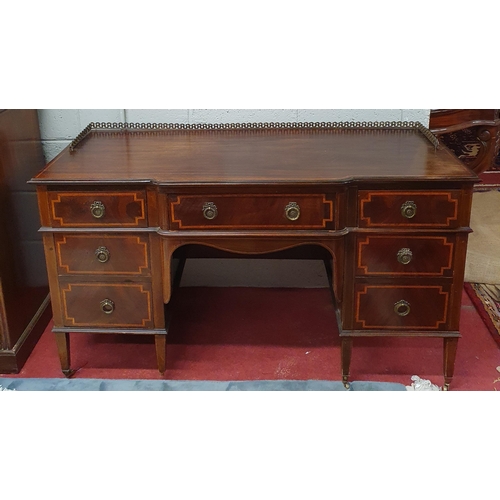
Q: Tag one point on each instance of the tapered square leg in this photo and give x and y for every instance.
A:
(161, 352)
(449, 355)
(63, 349)
(345, 357)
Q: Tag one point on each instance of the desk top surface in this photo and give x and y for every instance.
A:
(245, 157)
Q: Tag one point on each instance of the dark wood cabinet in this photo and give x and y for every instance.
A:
(24, 299)
(386, 203)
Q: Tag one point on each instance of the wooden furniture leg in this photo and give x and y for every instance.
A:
(449, 354)
(63, 349)
(346, 351)
(161, 340)
(161, 352)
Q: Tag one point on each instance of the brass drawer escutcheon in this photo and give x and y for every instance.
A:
(209, 211)
(107, 306)
(402, 308)
(97, 209)
(102, 254)
(404, 256)
(292, 211)
(408, 209)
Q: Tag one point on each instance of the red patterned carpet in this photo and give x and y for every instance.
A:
(271, 334)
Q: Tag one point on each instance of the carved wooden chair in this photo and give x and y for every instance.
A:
(472, 134)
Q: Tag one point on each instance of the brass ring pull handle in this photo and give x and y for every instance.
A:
(210, 211)
(292, 211)
(404, 256)
(97, 209)
(408, 209)
(402, 308)
(107, 306)
(102, 254)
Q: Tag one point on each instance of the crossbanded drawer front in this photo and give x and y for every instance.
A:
(379, 255)
(98, 209)
(409, 209)
(102, 254)
(402, 307)
(126, 305)
(304, 211)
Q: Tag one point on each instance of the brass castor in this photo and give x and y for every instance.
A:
(69, 373)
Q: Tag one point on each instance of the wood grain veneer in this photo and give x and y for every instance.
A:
(269, 157)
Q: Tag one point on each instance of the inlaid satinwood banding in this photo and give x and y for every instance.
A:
(78, 219)
(381, 258)
(387, 218)
(130, 251)
(142, 316)
(271, 208)
(420, 307)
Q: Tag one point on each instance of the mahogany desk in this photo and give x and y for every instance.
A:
(387, 202)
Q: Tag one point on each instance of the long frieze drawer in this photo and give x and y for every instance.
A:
(100, 208)
(126, 305)
(402, 307)
(430, 209)
(405, 255)
(304, 211)
(102, 254)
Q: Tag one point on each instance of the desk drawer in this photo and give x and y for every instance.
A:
(304, 211)
(430, 209)
(102, 254)
(401, 255)
(98, 209)
(124, 305)
(404, 307)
